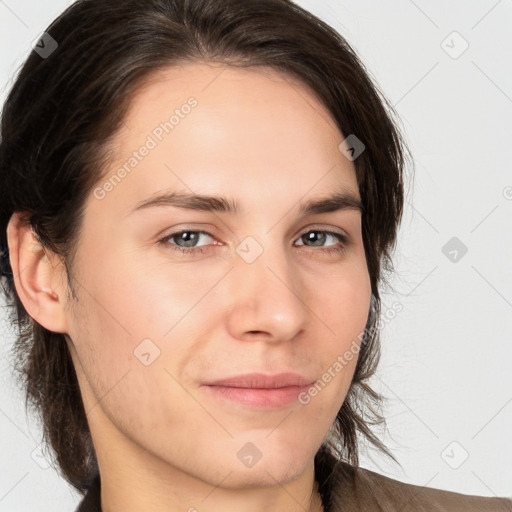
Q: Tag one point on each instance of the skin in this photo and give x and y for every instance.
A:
(164, 443)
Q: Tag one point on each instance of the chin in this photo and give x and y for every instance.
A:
(264, 474)
(274, 465)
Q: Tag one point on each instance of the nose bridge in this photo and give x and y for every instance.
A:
(265, 292)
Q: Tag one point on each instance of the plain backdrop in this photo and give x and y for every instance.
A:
(446, 359)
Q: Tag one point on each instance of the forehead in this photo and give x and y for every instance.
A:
(226, 85)
(257, 99)
(209, 125)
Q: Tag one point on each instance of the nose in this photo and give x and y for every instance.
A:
(267, 300)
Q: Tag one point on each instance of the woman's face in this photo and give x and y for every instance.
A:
(269, 288)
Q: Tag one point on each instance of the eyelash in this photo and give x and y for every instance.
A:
(340, 248)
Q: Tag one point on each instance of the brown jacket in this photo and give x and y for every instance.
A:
(347, 489)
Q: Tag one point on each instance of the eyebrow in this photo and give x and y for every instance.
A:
(339, 201)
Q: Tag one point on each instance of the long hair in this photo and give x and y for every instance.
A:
(68, 102)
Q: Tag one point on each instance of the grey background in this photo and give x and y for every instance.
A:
(446, 365)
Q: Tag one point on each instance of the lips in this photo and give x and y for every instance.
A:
(259, 390)
(263, 381)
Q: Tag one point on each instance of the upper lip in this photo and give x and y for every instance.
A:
(263, 381)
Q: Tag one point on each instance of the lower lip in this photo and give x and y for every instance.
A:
(257, 397)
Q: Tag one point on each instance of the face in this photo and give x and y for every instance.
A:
(174, 296)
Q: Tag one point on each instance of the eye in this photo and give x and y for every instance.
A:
(319, 236)
(186, 237)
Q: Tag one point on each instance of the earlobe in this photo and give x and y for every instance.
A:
(35, 278)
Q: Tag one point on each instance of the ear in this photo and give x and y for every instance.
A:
(38, 280)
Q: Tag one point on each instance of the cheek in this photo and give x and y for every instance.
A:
(129, 369)
(133, 301)
(343, 307)
(343, 301)
(133, 329)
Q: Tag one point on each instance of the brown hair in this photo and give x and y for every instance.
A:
(63, 110)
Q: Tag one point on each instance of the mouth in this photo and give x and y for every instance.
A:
(259, 398)
(260, 390)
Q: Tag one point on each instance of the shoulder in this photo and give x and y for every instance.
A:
(395, 495)
(358, 489)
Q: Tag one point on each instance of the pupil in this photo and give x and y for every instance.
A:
(314, 234)
(187, 236)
